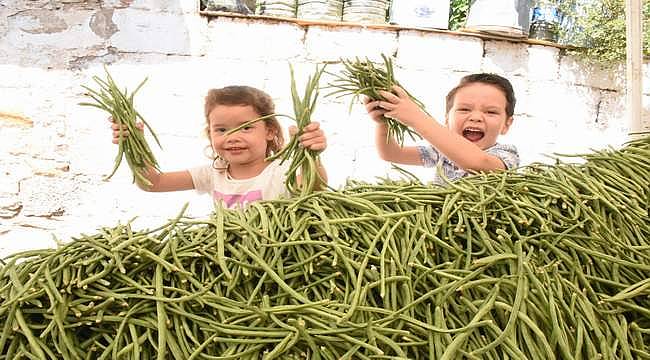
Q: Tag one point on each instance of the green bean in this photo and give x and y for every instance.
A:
(33, 343)
(453, 347)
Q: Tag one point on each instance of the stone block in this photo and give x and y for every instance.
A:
(505, 58)
(45, 196)
(574, 71)
(645, 116)
(173, 6)
(532, 137)
(645, 71)
(611, 112)
(367, 165)
(10, 206)
(50, 31)
(520, 87)
(543, 62)
(164, 33)
(92, 154)
(338, 159)
(12, 169)
(323, 43)
(571, 113)
(253, 40)
(16, 239)
(421, 50)
(428, 86)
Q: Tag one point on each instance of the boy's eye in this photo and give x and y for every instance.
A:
(219, 130)
(245, 128)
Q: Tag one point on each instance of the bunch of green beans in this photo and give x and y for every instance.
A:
(306, 160)
(550, 262)
(363, 77)
(119, 104)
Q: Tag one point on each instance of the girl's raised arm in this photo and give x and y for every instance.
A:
(160, 181)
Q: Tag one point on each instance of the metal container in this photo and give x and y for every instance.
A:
(544, 30)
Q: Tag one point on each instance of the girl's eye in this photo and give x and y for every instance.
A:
(247, 128)
(462, 110)
(219, 130)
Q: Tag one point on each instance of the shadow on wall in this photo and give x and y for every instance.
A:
(52, 149)
(69, 35)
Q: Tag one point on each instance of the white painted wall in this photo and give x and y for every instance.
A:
(54, 153)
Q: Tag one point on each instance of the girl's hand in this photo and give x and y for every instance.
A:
(312, 137)
(398, 105)
(374, 111)
(121, 131)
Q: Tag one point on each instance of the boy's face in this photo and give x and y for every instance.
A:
(479, 114)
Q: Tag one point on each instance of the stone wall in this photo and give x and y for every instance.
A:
(54, 153)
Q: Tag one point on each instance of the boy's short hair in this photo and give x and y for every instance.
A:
(498, 81)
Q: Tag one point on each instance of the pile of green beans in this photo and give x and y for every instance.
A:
(134, 147)
(363, 77)
(549, 262)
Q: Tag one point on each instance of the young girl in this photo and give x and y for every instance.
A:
(239, 173)
(478, 110)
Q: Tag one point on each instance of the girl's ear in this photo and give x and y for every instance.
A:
(270, 133)
(506, 125)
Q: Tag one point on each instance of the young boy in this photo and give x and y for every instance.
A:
(478, 110)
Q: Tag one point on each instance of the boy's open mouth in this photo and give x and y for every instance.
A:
(473, 135)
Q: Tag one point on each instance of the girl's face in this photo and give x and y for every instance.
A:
(479, 114)
(244, 148)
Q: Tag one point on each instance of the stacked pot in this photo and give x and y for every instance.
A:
(327, 10)
(366, 11)
(279, 8)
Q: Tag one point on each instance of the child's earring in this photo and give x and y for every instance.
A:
(272, 146)
(219, 163)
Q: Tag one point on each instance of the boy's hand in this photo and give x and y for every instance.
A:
(312, 137)
(398, 105)
(121, 130)
(374, 111)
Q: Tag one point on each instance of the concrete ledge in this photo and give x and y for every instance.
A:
(389, 27)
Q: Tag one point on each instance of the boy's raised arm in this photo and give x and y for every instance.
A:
(461, 151)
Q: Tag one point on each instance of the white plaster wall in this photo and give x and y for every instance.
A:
(54, 153)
